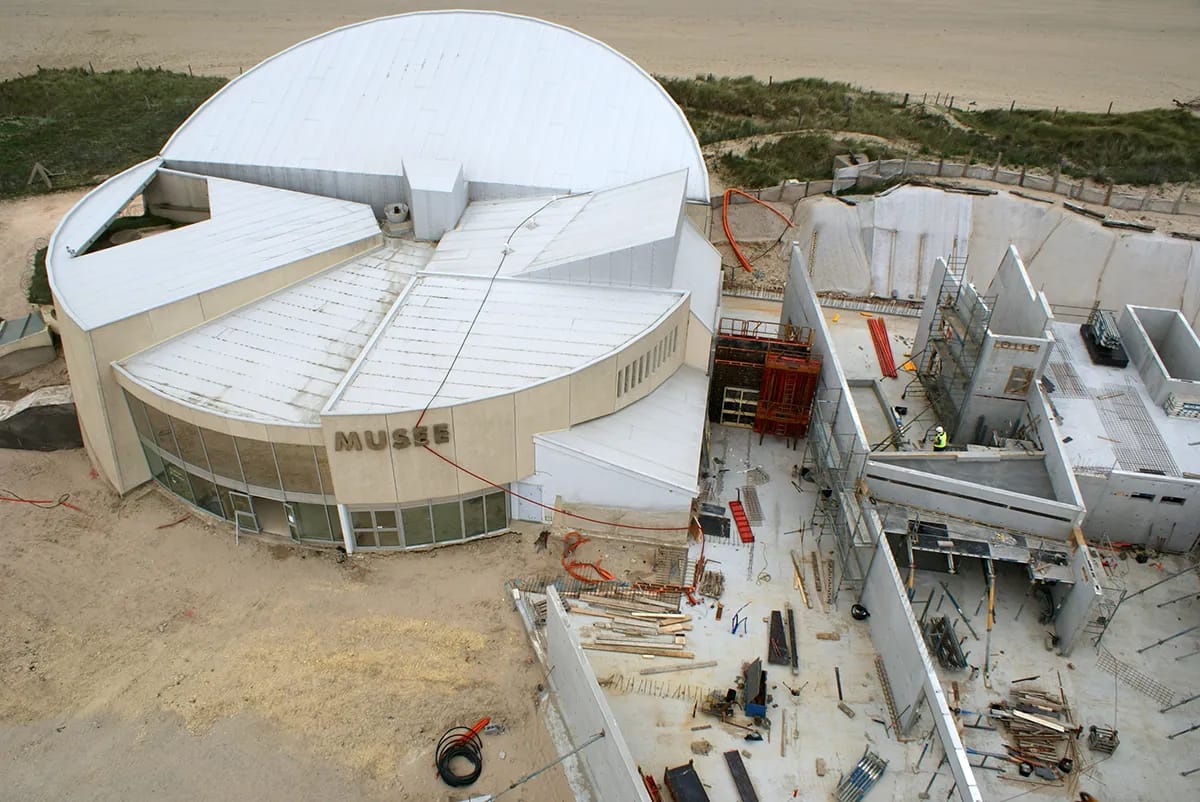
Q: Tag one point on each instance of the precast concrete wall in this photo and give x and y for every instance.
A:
(897, 638)
(1075, 601)
(868, 249)
(847, 444)
(1158, 511)
(608, 762)
(969, 500)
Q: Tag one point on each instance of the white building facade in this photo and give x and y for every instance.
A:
(275, 343)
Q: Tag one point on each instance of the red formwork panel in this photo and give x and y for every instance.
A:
(741, 521)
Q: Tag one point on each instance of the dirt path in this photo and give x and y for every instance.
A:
(154, 653)
(22, 224)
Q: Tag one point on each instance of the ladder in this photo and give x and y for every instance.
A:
(741, 521)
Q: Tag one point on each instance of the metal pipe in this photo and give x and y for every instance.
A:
(1181, 598)
(550, 765)
(954, 601)
(1184, 732)
(1180, 704)
(1168, 638)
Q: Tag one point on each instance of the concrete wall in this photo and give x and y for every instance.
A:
(897, 637)
(801, 308)
(491, 437)
(1062, 479)
(1165, 351)
(182, 198)
(585, 711)
(578, 478)
(1072, 258)
(103, 415)
(1075, 602)
(971, 501)
(1018, 309)
(1117, 512)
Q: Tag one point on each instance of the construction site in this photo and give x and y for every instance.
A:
(901, 505)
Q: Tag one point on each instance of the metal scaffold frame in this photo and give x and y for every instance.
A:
(955, 339)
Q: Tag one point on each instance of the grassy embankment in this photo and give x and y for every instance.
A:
(1143, 147)
(82, 126)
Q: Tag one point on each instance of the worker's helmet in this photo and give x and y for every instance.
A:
(939, 430)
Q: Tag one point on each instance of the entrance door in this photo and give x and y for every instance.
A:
(243, 511)
(739, 406)
(525, 510)
(292, 522)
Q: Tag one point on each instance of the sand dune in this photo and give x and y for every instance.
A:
(1071, 53)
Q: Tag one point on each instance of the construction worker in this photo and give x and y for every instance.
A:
(940, 439)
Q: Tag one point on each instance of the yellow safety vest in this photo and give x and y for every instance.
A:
(940, 439)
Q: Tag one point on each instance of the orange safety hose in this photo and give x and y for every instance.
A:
(572, 541)
(737, 251)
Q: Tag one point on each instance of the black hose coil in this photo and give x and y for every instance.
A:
(459, 742)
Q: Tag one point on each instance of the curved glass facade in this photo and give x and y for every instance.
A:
(286, 489)
(413, 525)
(275, 487)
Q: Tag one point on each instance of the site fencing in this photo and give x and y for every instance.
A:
(872, 174)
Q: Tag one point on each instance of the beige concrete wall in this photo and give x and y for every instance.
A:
(699, 344)
(102, 410)
(491, 437)
(89, 403)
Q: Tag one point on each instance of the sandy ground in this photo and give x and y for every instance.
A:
(1071, 53)
(140, 662)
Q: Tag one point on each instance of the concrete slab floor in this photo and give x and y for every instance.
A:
(1147, 764)
(655, 712)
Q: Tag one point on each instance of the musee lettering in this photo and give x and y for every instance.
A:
(377, 439)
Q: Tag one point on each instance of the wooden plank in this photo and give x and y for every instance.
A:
(638, 644)
(633, 649)
(1041, 722)
(670, 669)
(741, 780)
(674, 628)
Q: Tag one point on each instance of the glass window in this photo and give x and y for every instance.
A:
(190, 449)
(258, 463)
(155, 463)
(447, 521)
(205, 493)
(388, 538)
(298, 468)
(418, 528)
(361, 519)
(313, 520)
(497, 511)
(176, 480)
(138, 412)
(364, 538)
(160, 425)
(473, 516)
(222, 456)
(385, 519)
(323, 470)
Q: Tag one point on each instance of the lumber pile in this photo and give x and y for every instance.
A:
(1040, 730)
(634, 624)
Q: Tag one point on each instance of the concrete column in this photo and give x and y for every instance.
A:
(347, 529)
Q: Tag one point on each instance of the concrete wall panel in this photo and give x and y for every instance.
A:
(608, 762)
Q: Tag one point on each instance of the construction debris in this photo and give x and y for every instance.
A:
(828, 636)
(712, 584)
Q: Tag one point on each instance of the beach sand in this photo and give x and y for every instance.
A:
(1080, 54)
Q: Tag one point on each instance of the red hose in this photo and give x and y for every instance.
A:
(737, 251)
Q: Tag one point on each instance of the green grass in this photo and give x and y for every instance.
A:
(80, 125)
(1143, 147)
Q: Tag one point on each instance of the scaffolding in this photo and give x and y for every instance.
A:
(764, 377)
(835, 464)
(955, 340)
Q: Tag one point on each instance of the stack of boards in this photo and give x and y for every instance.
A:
(635, 625)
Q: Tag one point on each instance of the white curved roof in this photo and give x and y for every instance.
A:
(519, 102)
